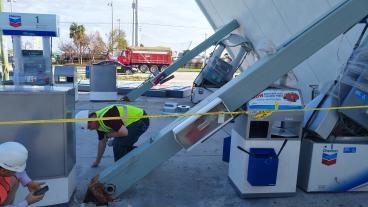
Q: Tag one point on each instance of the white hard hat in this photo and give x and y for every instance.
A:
(13, 156)
(82, 115)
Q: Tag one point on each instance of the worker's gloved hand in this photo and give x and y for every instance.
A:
(95, 164)
(34, 186)
(31, 199)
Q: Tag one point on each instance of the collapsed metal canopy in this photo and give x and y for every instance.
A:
(117, 178)
(277, 21)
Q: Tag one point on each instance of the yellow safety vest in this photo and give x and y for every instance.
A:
(132, 111)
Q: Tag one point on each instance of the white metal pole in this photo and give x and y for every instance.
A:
(112, 28)
(204, 52)
(11, 6)
(133, 22)
(18, 66)
(46, 45)
(136, 23)
(119, 32)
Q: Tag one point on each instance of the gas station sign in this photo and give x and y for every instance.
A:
(27, 24)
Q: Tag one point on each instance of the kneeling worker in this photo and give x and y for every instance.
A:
(13, 158)
(125, 131)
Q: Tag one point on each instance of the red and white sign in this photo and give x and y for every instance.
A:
(285, 99)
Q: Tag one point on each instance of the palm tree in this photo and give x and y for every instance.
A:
(77, 33)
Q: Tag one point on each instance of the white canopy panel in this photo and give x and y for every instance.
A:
(277, 21)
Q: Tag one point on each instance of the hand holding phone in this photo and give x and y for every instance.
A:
(41, 191)
(34, 197)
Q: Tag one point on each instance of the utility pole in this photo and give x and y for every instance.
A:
(133, 22)
(118, 23)
(119, 34)
(205, 52)
(11, 5)
(140, 36)
(136, 23)
(3, 52)
(112, 26)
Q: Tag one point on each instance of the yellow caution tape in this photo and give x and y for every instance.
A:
(276, 105)
(258, 115)
(263, 114)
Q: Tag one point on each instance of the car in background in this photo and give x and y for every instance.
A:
(120, 68)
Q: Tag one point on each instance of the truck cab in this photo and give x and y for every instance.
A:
(125, 57)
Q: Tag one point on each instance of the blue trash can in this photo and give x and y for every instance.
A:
(88, 71)
(226, 149)
(262, 167)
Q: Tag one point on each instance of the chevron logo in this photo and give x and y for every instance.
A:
(329, 157)
(15, 20)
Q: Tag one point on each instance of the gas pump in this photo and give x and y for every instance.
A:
(51, 146)
(32, 67)
(217, 72)
(265, 146)
(336, 144)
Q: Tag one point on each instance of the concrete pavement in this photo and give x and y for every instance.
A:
(195, 178)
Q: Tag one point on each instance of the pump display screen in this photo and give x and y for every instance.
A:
(32, 52)
(34, 68)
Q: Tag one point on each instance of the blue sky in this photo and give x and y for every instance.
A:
(173, 23)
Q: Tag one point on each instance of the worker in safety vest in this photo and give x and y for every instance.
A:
(13, 158)
(125, 131)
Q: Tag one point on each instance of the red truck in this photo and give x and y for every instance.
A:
(146, 58)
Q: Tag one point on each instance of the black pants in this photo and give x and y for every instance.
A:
(123, 145)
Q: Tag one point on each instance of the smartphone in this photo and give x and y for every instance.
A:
(41, 191)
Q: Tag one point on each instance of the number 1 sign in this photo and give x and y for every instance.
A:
(27, 24)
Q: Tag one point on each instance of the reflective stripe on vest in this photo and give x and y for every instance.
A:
(4, 188)
(101, 125)
(132, 111)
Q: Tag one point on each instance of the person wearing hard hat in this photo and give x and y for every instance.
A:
(125, 131)
(13, 158)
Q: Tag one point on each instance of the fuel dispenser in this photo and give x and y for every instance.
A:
(265, 146)
(336, 146)
(51, 146)
(218, 72)
(31, 67)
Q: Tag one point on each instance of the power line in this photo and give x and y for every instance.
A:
(142, 23)
(164, 42)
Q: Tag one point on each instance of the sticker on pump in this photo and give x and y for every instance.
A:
(274, 99)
